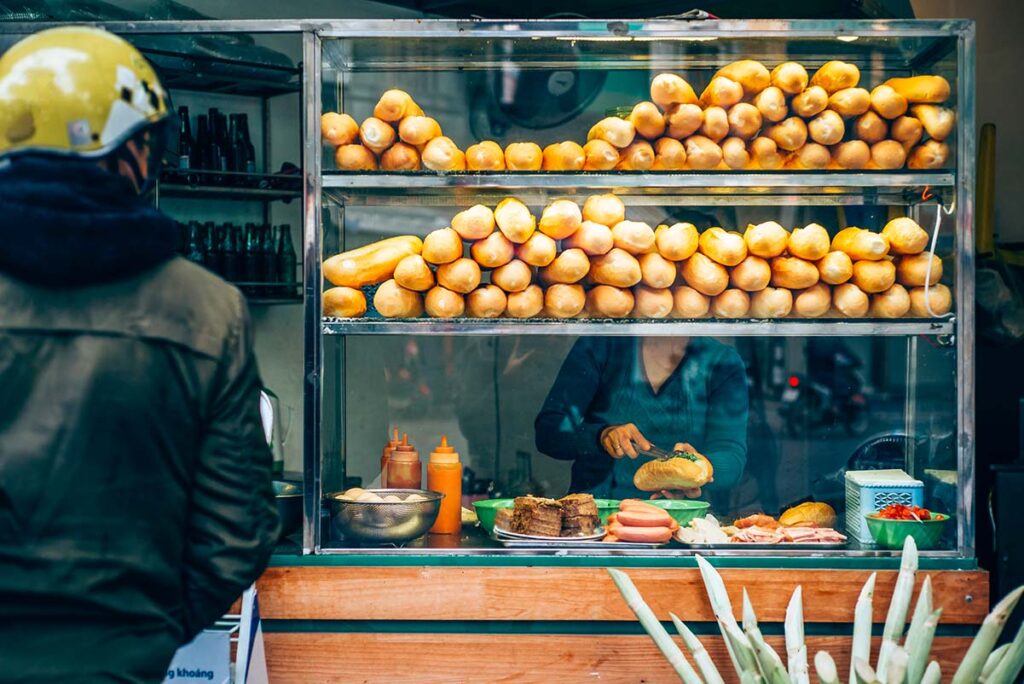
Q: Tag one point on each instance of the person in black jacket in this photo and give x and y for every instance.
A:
(135, 481)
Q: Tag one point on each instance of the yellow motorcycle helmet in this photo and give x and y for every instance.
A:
(79, 92)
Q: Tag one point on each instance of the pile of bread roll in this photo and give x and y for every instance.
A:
(591, 261)
(746, 118)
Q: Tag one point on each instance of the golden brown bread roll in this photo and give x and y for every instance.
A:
(813, 302)
(789, 135)
(344, 302)
(726, 247)
(524, 156)
(836, 75)
(929, 89)
(810, 242)
(870, 128)
(735, 154)
(938, 121)
(515, 276)
(888, 154)
(702, 154)
(485, 156)
(771, 302)
(638, 156)
(905, 236)
(355, 157)
(912, 269)
(525, 304)
(731, 303)
(874, 276)
(764, 154)
(493, 251)
(893, 303)
(612, 129)
(442, 246)
(835, 268)
(418, 130)
(657, 272)
(474, 223)
(376, 135)
(571, 266)
(768, 239)
(810, 102)
(810, 156)
(413, 273)
(395, 105)
(669, 155)
(683, 120)
(394, 301)
(593, 238)
(771, 105)
(816, 513)
(604, 209)
(669, 89)
(564, 156)
(486, 301)
(744, 120)
(861, 244)
(443, 303)
(931, 154)
(648, 120)
(514, 220)
(676, 242)
(600, 156)
(794, 273)
(690, 471)
(751, 274)
(338, 129)
(826, 128)
(750, 74)
(372, 263)
(560, 219)
(441, 154)
(461, 275)
(907, 131)
(887, 103)
(605, 301)
(790, 77)
(539, 250)
(618, 267)
(850, 101)
(650, 302)
(850, 301)
(688, 303)
(400, 157)
(704, 275)
(853, 154)
(716, 124)
(721, 92)
(564, 301)
(939, 298)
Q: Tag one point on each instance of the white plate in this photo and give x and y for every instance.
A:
(598, 534)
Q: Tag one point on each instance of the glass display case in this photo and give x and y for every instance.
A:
(793, 382)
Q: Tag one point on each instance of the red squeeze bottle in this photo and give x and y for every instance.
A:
(404, 469)
(444, 475)
(386, 456)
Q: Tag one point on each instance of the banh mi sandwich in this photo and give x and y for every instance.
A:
(685, 470)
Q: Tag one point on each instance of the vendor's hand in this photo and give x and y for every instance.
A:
(623, 440)
(693, 493)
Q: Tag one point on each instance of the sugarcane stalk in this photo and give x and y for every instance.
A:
(922, 611)
(720, 605)
(932, 674)
(796, 649)
(991, 662)
(771, 665)
(860, 649)
(751, 678)
(653, 627)
(741, 647)
(897, 667)
(991, 627)
(919, 646)
(1009, 667)
(826, 668)
(749, 617)
(896, 618)
(863, 671)
(700, 654)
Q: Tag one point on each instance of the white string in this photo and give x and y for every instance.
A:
(939, 209)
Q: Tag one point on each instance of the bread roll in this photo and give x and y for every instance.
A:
(929, 89)
(810, 242)
(905, 236)
(938, 122)
(441, 154)
(721, 92)
(524, 156)
(355, 157)
(669, 155)
(525, 304)
(413, 273)
(811, 156)
(939, 297)
(560, 219)
(887, 103)
(731, 303)
(702, 154)
(344, 302)
(771, 302)
(618, 267)
(600, 156)
(605, 301)
(835, 76)
(826, 128)
(735, 154)
(716, 124)
(539, 250)
(400, 157)
(571, 266)
(861, 244)
(647, 120)
(790, 77)
(726, 247)
(912, 270)
(835, 268)
(813, 302)
(493, 251)
(394, 301)
(854, 154)
(850, 300)
(669, 89)
(810, 102)
(688, 303)
(764, 154)
(486, 301)
(657, 272)
(461, 275)
(564, 301)
(870, 128)
(443, 303)
(485, 156)
(850, 101)
(676, 242)
(338, 129)
(768, 239)
(874, 276)
(564, 156)
(893, 303)
(612, 129)
(704, 275)
(418, 130)
(907, 131)
(604, 209)
(683, 120)
(474, 223)
(593, 238)
(751, 274)
(651, 302)
(638, 156)
(635, 237)
(395, 105)
(442, 246)
(794, 273)
(744, 120)
(514, 220)
(790, 135)
(372, 263)
(515, 276)
(750, 74)
(888, 154)
(771, 105)
(932, 154)
(376, 135)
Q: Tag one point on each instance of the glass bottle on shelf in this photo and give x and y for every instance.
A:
(251, 258)
(246, 142)
(216, 153)
(201, 158)
(186, 143)
(231, 156)
(210, 253)
(194, 248)
(230, 253)
(268, 252)
(286, 260)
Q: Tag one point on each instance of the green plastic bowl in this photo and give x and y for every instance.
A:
(891, 534)
(606, 507)
(683, 510)
(487, 509)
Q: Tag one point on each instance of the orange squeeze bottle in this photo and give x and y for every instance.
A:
(444, 475)
(385, 456)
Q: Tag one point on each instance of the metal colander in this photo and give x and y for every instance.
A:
(384, 522)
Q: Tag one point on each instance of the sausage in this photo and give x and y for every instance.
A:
(637, 503)
(640, 517)
(643, 535)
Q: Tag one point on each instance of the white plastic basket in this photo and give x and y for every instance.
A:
(868, 491)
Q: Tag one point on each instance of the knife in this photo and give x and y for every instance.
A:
(656, 453)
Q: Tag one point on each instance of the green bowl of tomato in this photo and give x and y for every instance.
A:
(890, 533)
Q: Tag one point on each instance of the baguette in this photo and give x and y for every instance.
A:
(647, 120)
(689, 303)
(371, 264)
(669, 89)
(683, 120)
(813, 302)
(400, 157)
(564, 301)
(927, 89)
(677, 242)
(394, 301)
(377, 135)
(750, 74)
(338, 129)
(600, 155)
(413, 273)
(564, 156)
(487, 301)
(835, 76)
(394, 105)
(515, 276)
(485, 156)
(861, 244)
(650, 302)
(939, 296)
(443, 303)
(524, 156)
(525, 304)
(731, 303)
(905, 236)
(344, 302)
(686, 471)
(790, 77)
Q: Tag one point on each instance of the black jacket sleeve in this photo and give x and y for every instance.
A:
(232, 523)
(561, 429)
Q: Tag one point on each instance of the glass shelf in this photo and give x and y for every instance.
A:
(247, 186)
